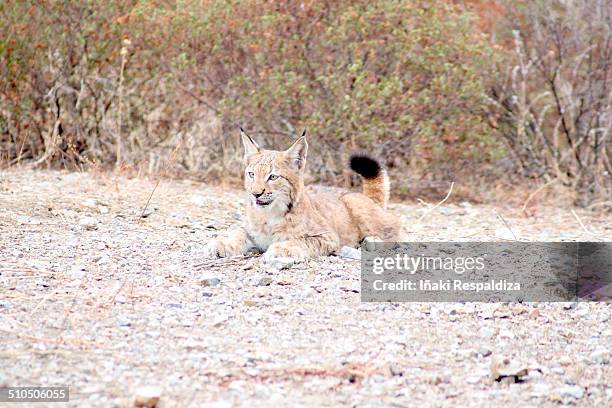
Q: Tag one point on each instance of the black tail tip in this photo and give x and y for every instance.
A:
(365, 165)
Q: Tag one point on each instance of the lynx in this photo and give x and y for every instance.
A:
(283, 220)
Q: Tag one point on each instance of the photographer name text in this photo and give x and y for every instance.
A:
(448, 285)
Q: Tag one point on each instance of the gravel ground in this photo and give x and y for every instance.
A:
(95, 297)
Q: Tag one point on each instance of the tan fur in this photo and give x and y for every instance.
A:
(298, 224)
(378, 189)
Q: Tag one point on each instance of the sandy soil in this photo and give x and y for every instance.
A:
(95, 297)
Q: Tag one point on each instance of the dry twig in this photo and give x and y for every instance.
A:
(437, 205)
(533, 194)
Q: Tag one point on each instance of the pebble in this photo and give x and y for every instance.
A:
(506, 367)
(89, 223)
(306, 293)
(540, 389)
(396, 370)
(569, 305)
(445, 210)
(280, 262)
(600, 357)
(198, 199)
(485, 314)
(557, 370)
(265, 281)
(569, 380)
(212, 281)
(574, 391)
(486, 333)
(349, 252)
(147, 396)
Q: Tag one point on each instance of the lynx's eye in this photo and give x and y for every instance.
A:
(251, 174)
(272, 177)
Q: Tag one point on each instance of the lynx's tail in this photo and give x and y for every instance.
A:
(375, 178)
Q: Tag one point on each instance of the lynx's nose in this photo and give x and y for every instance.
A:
(257, 195)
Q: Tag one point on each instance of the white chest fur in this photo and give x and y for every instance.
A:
(266, 225)
(261, 239)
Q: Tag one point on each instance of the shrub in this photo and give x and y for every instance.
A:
(132, 81)
(403, 79)
(553, 106)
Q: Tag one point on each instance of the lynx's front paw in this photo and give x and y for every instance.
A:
(282, 250)
(220, 248)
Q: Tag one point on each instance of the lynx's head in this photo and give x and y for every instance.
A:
(274, 179)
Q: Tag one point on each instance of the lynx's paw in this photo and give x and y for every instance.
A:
(370, 243)
(220, 248)
(282, 250)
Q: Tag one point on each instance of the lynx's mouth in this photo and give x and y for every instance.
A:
(263, 203)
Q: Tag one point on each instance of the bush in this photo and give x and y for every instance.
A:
(553, 106)
(133, 81)
(402, 79)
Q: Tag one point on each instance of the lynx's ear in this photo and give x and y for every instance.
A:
(297, 152)
(250, 147)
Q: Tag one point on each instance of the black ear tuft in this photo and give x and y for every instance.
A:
(365, 165)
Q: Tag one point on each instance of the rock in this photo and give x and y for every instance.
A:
(306, 293)
(251, 303)
(396, 370)
(574, 391)
(600, 357)
(220, 320)
(198, 199)
(206, 294)
(90, 203)
(147, 396)
(502, 314)
(212, 281)
(506, 367)
(280, 262)
(557, 370)
(445, 210)
(484, 351)
(486, 333)
(486, 314)
(534, 314)
(540, 390)
(89, 223)
(95, 204)
(349, 252)
(569, 380)
(265, 281)
(284, 282)
(569, 305)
